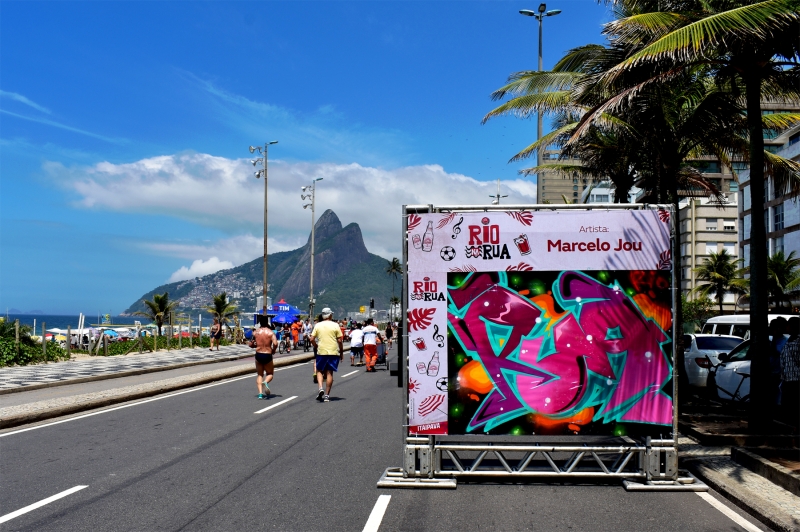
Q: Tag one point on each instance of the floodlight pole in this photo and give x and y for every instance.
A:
(263, 172)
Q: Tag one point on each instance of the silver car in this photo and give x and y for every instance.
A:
(697, 346)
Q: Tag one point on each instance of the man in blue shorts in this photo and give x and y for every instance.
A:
(327, 339)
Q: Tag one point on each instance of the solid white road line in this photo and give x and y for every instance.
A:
(142, 402)
(375, 518)
(733, 516)
(347, 375)
(270, 407)
(12, 515)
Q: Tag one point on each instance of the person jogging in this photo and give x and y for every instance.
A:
(356, 345)
(327, 339)
(265, 343)
(371, 345)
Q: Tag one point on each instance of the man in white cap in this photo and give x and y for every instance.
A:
(327, 338)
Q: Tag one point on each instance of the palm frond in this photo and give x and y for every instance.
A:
(525, 106)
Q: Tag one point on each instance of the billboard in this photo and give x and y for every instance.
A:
(547, 322)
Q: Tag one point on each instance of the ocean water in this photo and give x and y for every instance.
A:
(62, 322)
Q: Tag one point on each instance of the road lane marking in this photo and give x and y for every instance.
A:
(733, 516)
(270, 407)
(198, 388)
(29, 508)
(375, 518)
(347, 375)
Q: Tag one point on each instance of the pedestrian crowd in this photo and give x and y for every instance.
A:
(327, 338)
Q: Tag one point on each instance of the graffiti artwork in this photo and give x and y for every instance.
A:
(559, 352)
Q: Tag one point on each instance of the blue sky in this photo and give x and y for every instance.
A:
(124, 129)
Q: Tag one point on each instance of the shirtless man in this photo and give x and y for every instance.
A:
(265, 343)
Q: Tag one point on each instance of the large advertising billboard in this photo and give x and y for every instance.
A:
(547, 322)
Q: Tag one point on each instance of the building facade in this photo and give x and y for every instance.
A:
(707, 226)
(782, 216)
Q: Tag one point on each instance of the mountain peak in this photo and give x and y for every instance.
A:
(327, 225)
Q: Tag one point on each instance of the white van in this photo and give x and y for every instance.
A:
(736, 325)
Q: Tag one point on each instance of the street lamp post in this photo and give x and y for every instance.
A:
(542, 12)
(259, 173)
(311, 195)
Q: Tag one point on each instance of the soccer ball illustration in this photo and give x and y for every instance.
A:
(441, 384)
(447, 253)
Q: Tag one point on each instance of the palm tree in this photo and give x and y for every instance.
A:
(784, 277)
(751, 49)
(394, 268)
(158, 310)
(394, 301)
(720, 274)
(220, 308)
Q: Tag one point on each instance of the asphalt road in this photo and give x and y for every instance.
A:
(201, 459)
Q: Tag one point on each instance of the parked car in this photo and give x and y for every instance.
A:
(697, 347)
(732, 376)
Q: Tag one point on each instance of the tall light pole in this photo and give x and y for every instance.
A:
(497, 197)
(543, 12)
(311, 194)
(259, 173)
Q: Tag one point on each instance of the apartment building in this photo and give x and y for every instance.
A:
(707, 225)
(782, 216)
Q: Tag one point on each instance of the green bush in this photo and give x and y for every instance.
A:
(148, 344)
(28, 354)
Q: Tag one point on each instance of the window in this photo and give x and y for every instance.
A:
(730, 247)
(602, 198)
(711, 224)
(707, 167)
(574, 187)
(740, 166)
(777, 218)
(773, 148)
(574, 194)
(778, 245)
(729, 225)
(733, 186)
(574, 181)
(794, 139)
(711, 247)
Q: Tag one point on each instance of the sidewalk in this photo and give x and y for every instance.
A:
(23, 378)
(748, 477)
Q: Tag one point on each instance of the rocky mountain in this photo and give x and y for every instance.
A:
(346, 275)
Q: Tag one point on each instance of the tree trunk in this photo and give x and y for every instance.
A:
(758, 258)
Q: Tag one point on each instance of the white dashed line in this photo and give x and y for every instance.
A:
(733, 516)
(348, 374)
(270, 407)
(375, 518)
(43, 502)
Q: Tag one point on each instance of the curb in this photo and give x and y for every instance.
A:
(129, 373)
(753, 507)
(773, 472)
(121, 395)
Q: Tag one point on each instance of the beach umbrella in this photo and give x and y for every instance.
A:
(284, 317)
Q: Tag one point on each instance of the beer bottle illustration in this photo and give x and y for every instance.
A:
(433, 366)
(427, 238)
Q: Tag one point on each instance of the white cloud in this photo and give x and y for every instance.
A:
(24, 100)
(223, 194)
(200, 268)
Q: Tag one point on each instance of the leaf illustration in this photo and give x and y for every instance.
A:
(446, 219)
(521, 267)
(663, 215)
(465, 269)
(524, 217)
(665, 260)
(420, 319)
(413, 221)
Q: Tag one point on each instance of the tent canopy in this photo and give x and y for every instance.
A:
(284, 317)
(282, 307)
